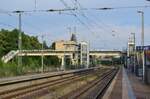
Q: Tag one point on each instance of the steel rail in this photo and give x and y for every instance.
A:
(27, 89)
(38, 77)
(98, 87)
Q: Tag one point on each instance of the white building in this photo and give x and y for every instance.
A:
(84, 54)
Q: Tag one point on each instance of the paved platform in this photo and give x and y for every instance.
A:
(141, 90)
(127, 86)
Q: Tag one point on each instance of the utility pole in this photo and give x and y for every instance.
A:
(42, 60)
(134, 52)
(19, 37)
(20, 41)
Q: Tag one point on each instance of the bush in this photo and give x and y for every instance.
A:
(10, 69)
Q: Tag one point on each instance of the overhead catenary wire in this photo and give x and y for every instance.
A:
(10, 13)
(80, 12)
(109, 29)
(35, 11)
(123, 7)
(73, 9)
(8, 25)
(93, 21)
(76, 16)
(69, 9)
(111, 9)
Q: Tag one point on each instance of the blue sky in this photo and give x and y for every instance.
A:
(99, 24)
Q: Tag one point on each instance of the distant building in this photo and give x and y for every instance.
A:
(69, 45)
(66, 45)
(80, 51)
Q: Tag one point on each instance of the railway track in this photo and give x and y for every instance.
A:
(95, 89)
(42, 88)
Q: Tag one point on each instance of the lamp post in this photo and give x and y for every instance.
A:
(142, 43)
(142, 29)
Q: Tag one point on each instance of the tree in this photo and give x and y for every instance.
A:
(9, 41)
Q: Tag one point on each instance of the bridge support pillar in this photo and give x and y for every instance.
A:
(62, 63)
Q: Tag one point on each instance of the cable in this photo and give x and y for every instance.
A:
(126, 7)
(35, 11)
(75, 15)
(71, 9)
(103, 24)
(92, 21)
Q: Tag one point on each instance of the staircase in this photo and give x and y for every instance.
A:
(9, 56)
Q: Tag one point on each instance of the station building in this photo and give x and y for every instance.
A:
(79, 50)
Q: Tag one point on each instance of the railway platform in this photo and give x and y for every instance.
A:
(127, 86)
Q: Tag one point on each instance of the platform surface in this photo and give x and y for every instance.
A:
(127, 86)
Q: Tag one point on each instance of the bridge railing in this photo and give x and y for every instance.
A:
(37, 51)
(9, 56)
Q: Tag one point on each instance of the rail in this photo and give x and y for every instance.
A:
(95, 89)
(20, 91)
(21, 79)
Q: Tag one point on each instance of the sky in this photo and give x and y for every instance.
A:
(102, 29)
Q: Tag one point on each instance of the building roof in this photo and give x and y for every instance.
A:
(73, 37)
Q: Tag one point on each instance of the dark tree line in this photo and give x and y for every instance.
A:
(9, 41)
